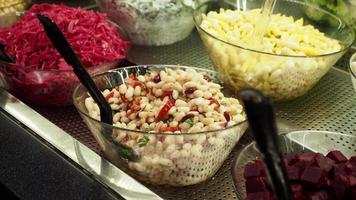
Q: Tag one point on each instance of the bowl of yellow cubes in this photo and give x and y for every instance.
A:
(292, 55)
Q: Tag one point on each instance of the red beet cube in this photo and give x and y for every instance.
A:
(326, 182)
(293, 173)
(324, 163)
(353, 193)
(297, 188)
(298, 195)
(312, 175)
(352, 181)
(350, 169)
(353, 160)
(337, 156)
(304, 160)
(255, 184)
(306, 157)
(259, 196)
(320, 195)
(339, 169)
(290, 159)
(340, 185)
(254, 169)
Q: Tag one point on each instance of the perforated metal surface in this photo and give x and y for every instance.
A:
(330, 105)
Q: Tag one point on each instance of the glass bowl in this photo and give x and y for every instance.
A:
(352, 66)
(9, 10)
(153, 23)
(194, 163)
(280, 76)
(45, 87)
(292, 143)
(49, 87)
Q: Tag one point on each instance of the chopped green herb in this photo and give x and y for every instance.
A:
(223, 103)
(127, 152)
(148, 73)
(113, 113)
(143, 141)
(190, 121)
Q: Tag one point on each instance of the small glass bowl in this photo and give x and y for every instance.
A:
(282, 77)
(157, 164)
(148, 25)
(352, 69)
(292, 143)
(49, 87)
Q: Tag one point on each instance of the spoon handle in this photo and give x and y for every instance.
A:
(64, 48)
(261, 118)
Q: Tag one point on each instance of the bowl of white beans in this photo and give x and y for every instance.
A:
(290, 58)
(178, 120)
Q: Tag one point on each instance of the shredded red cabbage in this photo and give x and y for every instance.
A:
(93, 39)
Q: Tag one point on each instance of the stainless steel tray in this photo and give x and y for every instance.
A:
(330, 105)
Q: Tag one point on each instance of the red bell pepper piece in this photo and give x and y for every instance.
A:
(111, 94)
(133, 77)
(165, 129)
(166, 93)
(163, 113)
(214, 101)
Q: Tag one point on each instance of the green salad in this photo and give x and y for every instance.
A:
(342, 8)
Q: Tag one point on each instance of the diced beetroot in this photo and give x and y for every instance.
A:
(340, 185)
(254, 169)
(259, 196)
(352, 181)
(293, 173)
(320, 195)
(326, 182)
(337, 156)
(353, 160)
(255, 184)
(297, 188)
(291, 159)
(324, 163)
(353, 193)
(312, 175)
(298, 196)
(304, 160)
(339, 169)
(350, 169)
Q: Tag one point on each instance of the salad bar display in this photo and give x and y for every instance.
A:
(177, 117)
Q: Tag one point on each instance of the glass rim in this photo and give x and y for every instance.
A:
(29, 69)
(352, 70)
(113, 127)
(342, 24)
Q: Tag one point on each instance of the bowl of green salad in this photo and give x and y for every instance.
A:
(345, 9)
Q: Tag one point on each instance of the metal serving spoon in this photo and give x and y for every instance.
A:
(261, 118)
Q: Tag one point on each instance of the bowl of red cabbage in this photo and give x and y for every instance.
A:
(39, 75)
